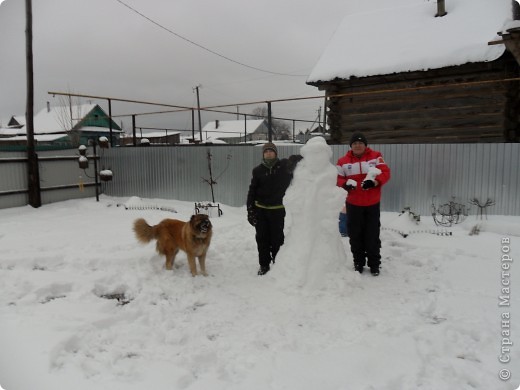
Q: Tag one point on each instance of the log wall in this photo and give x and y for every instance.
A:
(473, 103)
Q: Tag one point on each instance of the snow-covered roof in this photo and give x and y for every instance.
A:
(211, 140)
(98, 129)
(10, 131)
(157, 134)
(408, 37)
(37, 137)
(261, 143)
(19, 118)
(57, 119)
(230, 129)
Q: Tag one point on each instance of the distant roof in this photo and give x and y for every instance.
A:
(157, 134)
(10, 131)
(277, 143)
(19, 119)
(99, 129)
(410, 38)
(57, 119)
(231, 129)
(37, 137)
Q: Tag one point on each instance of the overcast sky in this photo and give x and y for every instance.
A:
(104, 48)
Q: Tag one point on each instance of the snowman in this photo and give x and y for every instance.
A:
(313, 248)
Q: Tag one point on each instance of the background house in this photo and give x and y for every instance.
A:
(14, 129)
(16, 121)
(154, 138)
(61, 127)
(303, 137)
(410, 75)
(236, 131)
(42, 141)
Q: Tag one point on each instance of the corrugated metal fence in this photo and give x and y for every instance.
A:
(60, 177)
(419, 172)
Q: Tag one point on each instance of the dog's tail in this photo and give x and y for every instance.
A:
(144, 232)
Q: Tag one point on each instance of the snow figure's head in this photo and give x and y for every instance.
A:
(316, 154)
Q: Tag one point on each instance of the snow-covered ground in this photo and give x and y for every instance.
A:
(431, 320)
(84, 306)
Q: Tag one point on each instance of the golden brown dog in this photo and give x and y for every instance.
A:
(192, 237)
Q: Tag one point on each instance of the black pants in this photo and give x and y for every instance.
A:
(269, 234)
(363, 226)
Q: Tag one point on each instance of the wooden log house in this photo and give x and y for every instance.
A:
(471, 102)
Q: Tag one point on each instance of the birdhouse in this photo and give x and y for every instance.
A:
(103, 142)
(82, 150)
(105, 175)
(83, 162)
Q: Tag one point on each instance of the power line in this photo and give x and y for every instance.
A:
(205, 48)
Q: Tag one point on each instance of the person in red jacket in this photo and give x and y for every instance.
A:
(362, 172)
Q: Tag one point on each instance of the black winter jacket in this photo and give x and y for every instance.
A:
(268, 185)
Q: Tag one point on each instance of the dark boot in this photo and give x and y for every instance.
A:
(263, 270)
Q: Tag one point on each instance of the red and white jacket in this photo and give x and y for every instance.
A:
(356, 168)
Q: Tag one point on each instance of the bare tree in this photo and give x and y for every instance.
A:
(68, 113)
(281, 129)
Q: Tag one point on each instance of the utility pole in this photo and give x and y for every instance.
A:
(110, 122)
(325, 115)
(198, 110)
(319, 117)
(32, 157)
(134, 138)
(245, 128)
(70, 112)
(193, 125)
(269, 122)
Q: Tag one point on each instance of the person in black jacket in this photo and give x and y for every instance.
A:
(265, 210)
